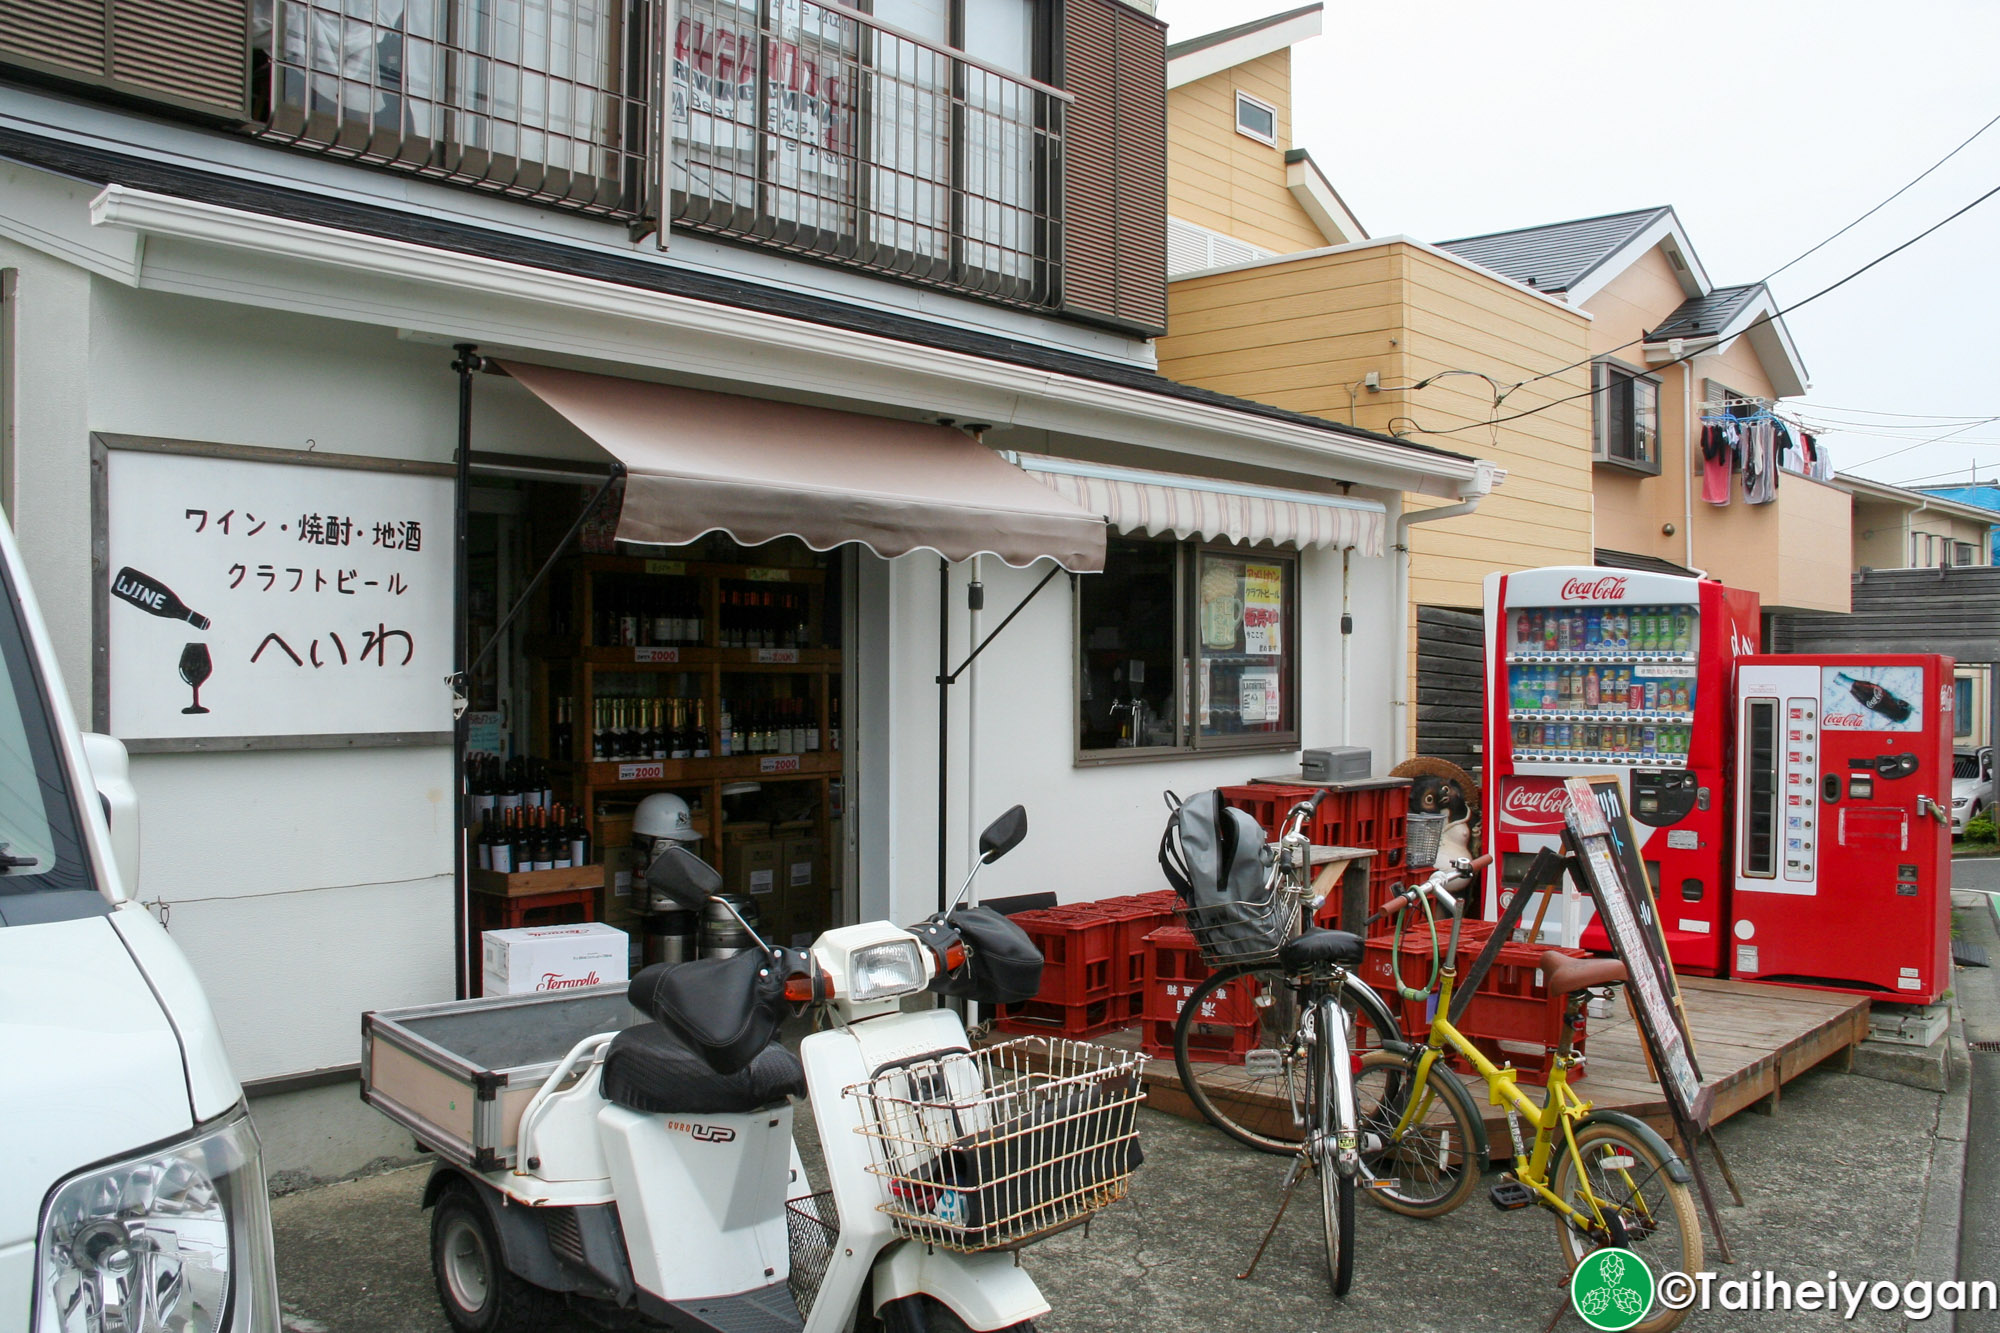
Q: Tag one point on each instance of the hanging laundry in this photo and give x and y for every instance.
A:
(1718, 459)
(1760, 463)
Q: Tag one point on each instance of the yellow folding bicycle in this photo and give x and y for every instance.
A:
(1608, 1178)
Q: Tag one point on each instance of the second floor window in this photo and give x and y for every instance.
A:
(1626, 417)
(914, 140)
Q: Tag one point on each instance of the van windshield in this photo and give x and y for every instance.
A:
(44, 874)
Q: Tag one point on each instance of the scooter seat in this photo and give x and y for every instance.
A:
(648, 1068)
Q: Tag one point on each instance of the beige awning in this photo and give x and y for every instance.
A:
(700, 462)
(1159, 502)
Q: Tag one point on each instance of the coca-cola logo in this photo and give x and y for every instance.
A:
(557, 981)
(1610, 588)
(1535, 806)
(1843, 721)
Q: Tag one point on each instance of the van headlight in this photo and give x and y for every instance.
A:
(177, 1240)
(880, 971)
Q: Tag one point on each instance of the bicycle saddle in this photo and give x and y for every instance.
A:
(1565, 974)
(1319, 948)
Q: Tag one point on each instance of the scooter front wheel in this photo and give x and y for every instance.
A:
(480, 1294)
(927, 1314)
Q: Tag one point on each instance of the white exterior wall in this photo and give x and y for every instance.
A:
(1093, 831)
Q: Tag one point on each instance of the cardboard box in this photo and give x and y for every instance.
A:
(545, 958)
(751, 866)
(624, 896)
(808, 896)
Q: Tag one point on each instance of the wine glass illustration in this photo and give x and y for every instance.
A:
(196, 667)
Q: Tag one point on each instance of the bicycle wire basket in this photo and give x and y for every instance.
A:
(1244, 931)
(992, 1149)
(812, 1225)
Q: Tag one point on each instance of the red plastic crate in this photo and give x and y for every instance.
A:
(1137, 916)
(1375, 817)
(1078, 1022)
(1227, 1027)
(1416, 949)
(1079, 946)
(1514, 1020)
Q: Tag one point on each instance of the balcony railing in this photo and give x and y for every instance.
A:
(813, 128)
(522, 97)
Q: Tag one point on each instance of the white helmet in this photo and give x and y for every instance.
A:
(663, 815)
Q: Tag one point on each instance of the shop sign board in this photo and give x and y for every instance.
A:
(243, 599)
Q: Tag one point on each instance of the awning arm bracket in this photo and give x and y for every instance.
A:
(1021, 606)
(541, 575)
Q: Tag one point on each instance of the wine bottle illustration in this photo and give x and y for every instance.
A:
(149, 594)
(1874, 698)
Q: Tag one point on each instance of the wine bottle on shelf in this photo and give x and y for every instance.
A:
(544, 853)
(810, 743)
(578, 834)
(559, 845)
(724, 741)
(681, 746)
(698, 741)
(482, 843)
(499, 847)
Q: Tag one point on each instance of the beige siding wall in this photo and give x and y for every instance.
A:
(1227, 181)
(1883, 532)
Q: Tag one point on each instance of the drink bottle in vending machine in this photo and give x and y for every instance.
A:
(1595, 670)
(1843, 824)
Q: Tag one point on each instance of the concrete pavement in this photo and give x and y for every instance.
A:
(1979, 1003)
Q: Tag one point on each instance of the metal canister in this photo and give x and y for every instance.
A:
(669, 937)
(721, 936)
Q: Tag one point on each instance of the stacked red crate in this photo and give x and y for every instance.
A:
(1081, 995)
(1374, 816)
(1512, 1018)
(1225, 1029)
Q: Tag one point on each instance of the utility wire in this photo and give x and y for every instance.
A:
(1796, 305)
(1574, 365)
(1886, 202)
(1870, 462)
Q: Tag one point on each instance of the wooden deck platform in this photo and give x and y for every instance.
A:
(1750, 1040)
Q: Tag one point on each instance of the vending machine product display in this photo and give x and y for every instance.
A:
(1592, 670)
(1843, 823)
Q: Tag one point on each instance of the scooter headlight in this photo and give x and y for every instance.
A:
(176, 1241)
(883, 971)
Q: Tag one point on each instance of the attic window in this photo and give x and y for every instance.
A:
(1257, 119)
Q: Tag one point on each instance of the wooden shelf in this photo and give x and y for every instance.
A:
(686, 658)
(607, 773)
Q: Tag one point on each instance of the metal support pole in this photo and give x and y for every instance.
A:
(468, 364)
(944, 731)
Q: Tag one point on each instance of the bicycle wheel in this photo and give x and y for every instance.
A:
(1333, 1110)
(1435, 1162)
(1649, 1212)
(1240, 1058)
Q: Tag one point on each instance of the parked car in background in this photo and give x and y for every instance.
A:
(133, 1195)
(1971, 786)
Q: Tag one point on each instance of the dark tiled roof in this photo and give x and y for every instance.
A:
(1206, 40)
(105, 168)
(1556, 257)
(1707, 315)
(1643, 564)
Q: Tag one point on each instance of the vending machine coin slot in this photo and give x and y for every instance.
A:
(1830, 788)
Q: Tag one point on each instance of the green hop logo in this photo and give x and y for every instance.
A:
(1611, 1289)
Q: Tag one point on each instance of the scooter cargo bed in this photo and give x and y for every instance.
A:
(458, 1075)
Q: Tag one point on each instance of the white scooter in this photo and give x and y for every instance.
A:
(656, 1174)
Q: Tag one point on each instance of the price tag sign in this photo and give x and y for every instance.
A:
(778, 763)
(768, 575)
(656, 654)
(640, 772)
(666, 567)
(779, 656)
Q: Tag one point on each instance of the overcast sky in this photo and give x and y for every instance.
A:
(1767, 125)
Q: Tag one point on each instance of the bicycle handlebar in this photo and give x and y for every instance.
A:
(1435, 886)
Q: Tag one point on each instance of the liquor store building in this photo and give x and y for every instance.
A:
(282, 473)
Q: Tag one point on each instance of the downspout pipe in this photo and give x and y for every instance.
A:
(1475, 490)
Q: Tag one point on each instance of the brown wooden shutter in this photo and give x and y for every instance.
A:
(193, 54)
(1115, 165)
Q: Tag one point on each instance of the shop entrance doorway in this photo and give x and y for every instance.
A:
(712, 673)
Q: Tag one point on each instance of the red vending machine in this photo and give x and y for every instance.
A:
(1843, 824)
(1598, 670)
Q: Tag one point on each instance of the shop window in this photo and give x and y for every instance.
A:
(1257, 119)
(1626, 417)
(1187, 647)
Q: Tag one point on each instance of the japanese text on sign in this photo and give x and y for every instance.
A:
(255, 598)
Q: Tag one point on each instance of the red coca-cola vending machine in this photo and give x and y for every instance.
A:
(1843, 824)
(1592, 670)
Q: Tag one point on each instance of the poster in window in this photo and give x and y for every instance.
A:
(1258, 693)
(1221, 605)
(1263, 610)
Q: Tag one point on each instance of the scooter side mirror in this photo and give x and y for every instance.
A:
(1003, 835)
(680, 875)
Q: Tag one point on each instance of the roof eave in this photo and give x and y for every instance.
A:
(1200, 57)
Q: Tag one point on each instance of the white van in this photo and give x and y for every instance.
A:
(133, 1191)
